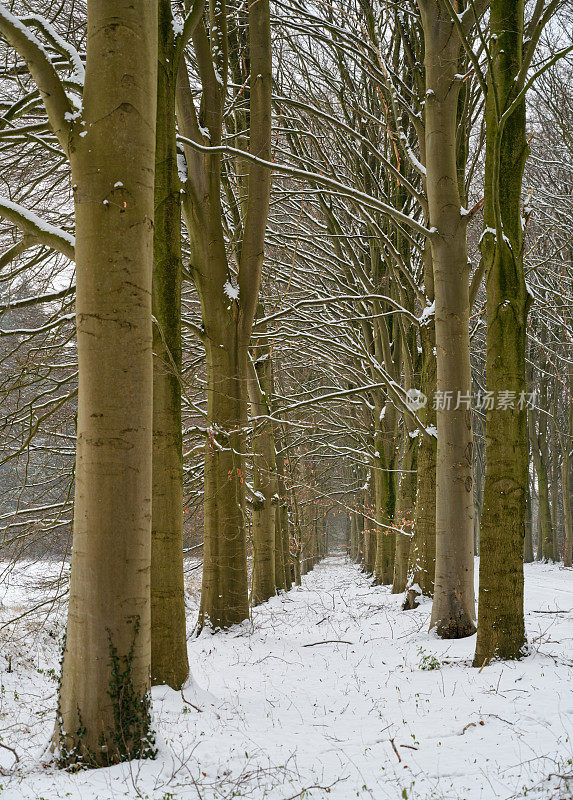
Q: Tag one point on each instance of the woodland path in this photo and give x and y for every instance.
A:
(331, 685)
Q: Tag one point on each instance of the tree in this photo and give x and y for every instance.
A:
(228, 291)
(169, 663)
(501, 625)
(103, 704)
(453, 610)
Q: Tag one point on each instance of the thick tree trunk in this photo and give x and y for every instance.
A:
(104, 713)
(169, 663)
(453, 611)
(501, 631)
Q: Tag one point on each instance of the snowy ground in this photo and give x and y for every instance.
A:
(330, 691)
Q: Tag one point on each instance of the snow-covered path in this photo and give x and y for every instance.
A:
(332, 686)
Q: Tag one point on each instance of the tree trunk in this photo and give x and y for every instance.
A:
(284, 526)
(405, 511)
(296, 554)
(370, 535)
(422, 557)
(545, 526)
(567, 512)
(354, 539)
(169, 663)
(567, 483)
(501, 630)
(528, 555)
(386, 539)
(228, 300)
(453, 611)
(224, 592)
(104, 713)
(555, 475)
(264, 478)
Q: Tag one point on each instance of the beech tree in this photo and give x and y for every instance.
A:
(103, 706)
(228, 292)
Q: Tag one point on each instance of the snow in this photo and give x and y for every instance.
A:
(330, 685)
(64, 46)
(35, 220)
(182, 167)
(17, 23)
(177, 26)
(231, 291)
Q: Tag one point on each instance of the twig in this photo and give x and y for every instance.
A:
(303, 792)
(328, 641)
(34, 608)
(11, 749)
(200, 710)
(561, 611)
(396, 751)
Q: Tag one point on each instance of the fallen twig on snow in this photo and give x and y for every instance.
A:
(200, 710)
(395, 750)
(328, 641)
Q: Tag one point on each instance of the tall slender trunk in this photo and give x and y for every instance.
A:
(169, 663)
(567, 511)
(539, 451)
(528, 555)
(422, 557)
(354, 545)
(228, 300)
(453, 610)
(224, 594)
(282, 509)
(538, 434)
(547, 551)
(280, 574)
(361, 545)
(501, 631)
(567, 481)
(370, 533)
(297, 551)
(555, 475)
(103, 711)
(385, 494)
(405, 511)
(264, 477)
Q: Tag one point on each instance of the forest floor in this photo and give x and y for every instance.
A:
(330, 691)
